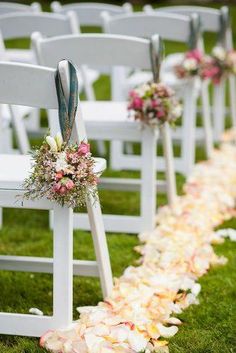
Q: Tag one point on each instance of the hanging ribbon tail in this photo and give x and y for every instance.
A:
(195, 30)
(224, 23)
(156, 55)
(67, 107)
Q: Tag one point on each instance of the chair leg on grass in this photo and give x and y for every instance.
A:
(219, 110)
(232, 92)
(100, 245)
(188, 144)
(1, 217)
(207, 122)
(169, 162)
(63, 266)
(148, 179)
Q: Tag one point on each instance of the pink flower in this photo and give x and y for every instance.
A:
(69, 184)
(59, 175)
(160, 114)
(137, 103)
(154, 103)
(83, 149)
(63, 190)
(132, 94)
(194, 54)
(56, 187)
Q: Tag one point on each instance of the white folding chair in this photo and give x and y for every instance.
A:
(89, 13)
(8, 7)
(215, 21)
(109, 120)
(22, 25)
(21, 55)
(35, 86)
(171, 27)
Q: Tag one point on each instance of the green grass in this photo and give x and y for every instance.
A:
(207, 328)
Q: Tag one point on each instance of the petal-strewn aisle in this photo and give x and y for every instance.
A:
(140, 314)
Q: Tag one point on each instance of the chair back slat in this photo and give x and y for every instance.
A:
(20, 25)
(89, 14)
(168, 26)
(209, 16)
(95, 50)
(8, 7)
(28, 85)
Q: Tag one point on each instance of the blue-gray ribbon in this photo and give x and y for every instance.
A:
(224, 23)
(195, 30)
(67, 111)
(156, 55)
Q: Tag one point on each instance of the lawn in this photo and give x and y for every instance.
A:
(207, 328)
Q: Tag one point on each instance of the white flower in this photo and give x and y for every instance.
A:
(177, 111)
(190, 64)
(35, 311)
(167, 331)
(137, 341)
(219, 53)
(61, 163)
(52, 143)
(59, 140)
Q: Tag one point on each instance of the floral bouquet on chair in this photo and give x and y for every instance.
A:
(62, 173)
(215, 67)
(218, 65)
(154, 104)
(190, 65)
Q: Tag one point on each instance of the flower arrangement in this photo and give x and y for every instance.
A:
(191, 64)
(62, 173)
(154, 104)
(139, 315)
(214, 67)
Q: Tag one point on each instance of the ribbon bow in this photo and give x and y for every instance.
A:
(67, 110)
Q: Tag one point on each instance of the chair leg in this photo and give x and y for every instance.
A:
(188, 144)
(100, 245)
(33, 121)
(101, 147)
(1, 217)
(19, 126)
(116, 152)
(207, 123)
(169, 163)
(148, 179)
(63, 266)
(218, 110)
(232, 92)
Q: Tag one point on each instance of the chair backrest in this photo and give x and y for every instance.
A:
(8, 7)
(96, 50)
(89, 14)
(169, 26)
(34, 86)
(20, 25)
(212, 20)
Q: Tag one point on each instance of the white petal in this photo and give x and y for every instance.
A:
(137, 341)
(167, 331)
(35, 311)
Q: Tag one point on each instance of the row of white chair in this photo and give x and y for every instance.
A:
(156, 22)
(33, 86)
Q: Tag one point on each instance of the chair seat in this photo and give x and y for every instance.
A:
(15, 168)
(105, 111)
(25, 56)
(167, 74)
(6, 116)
